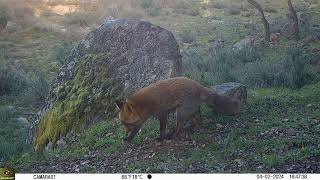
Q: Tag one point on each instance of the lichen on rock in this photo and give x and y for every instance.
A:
(113, 61)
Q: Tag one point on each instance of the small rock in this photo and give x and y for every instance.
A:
(11, 108)
(152, 155)
(109, 134)
(85, 162)
(61, 143)
(216, 22)
(285, 120)
(219, 126)
(309, 105)
(23, 121)
(194, 142)
(290, 132)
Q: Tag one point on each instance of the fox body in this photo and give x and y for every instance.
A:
(180, 94)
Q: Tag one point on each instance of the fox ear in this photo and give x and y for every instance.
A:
(119, 104)
(129, 107)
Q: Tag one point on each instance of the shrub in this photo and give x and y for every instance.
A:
(77, 18)
(186, 36)
(4, 17)
(37, 90)
(218, 5)
(270, 9)
(12, 80)
(293, 71)
(298, 64)
(247, 67)
(3, 22)
(232, 10)
(187, 8)
(12, 135)
(22, 10)
(154, 11)
(146, 4)
(61, 52)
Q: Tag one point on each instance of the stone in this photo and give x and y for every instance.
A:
(290, 132)
(111, 62)
(61, 143)
(247, 42)
(13, 27)
(23, 121)
(233, 90)
(219, 126)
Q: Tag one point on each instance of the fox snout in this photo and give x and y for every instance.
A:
(130, 131)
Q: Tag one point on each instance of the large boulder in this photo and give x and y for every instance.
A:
(118, 58)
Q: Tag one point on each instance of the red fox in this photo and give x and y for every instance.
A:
(179, 94)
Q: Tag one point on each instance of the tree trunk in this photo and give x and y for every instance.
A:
(295, 20)
(263, 18)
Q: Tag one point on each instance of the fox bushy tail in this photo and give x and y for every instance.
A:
(221, 103)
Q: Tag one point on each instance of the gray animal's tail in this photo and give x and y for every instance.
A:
(221, 103)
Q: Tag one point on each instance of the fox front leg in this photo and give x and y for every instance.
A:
(131, 134)
(163, 118)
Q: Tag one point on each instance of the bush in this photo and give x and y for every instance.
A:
(79, 18)
(247, 67)
(154, 11)
(37, 90)
(187, 8)
(227, 65)
(12, 134)
(22, 10)
(3, 22)
(293, 71)
(61, 52)
(186, 36)
(219, 5)
(298, 64)
(270, 9)
(12, 80)
(232, 11)
(146, 4)
(4, 17)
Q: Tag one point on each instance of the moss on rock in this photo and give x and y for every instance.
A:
(78, 102)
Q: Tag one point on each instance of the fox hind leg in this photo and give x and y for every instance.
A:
(181, 115)
(194, 121)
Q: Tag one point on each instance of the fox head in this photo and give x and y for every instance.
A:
(130, 118)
